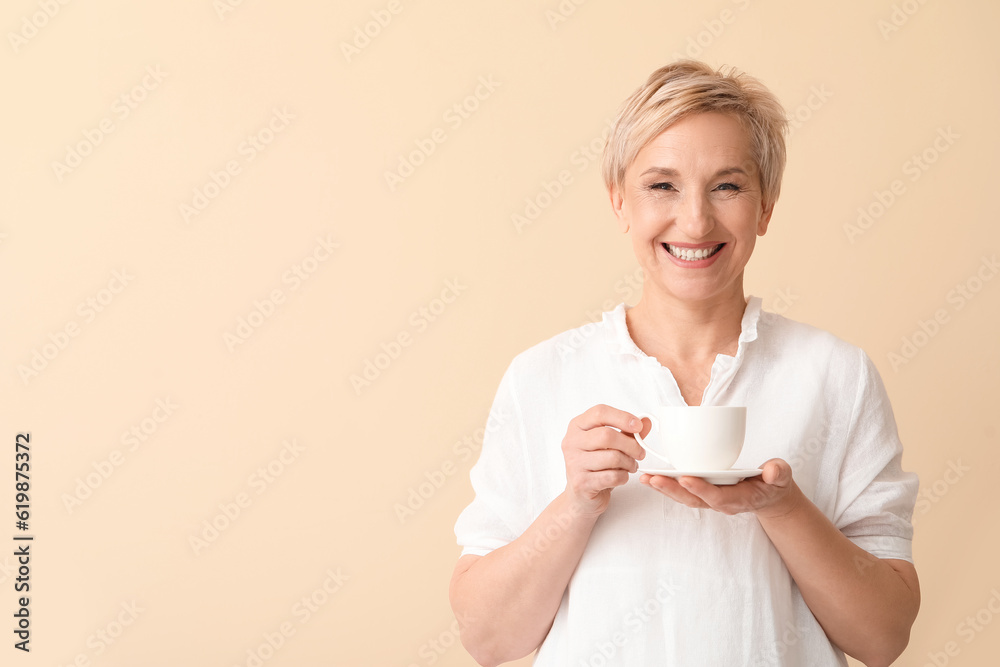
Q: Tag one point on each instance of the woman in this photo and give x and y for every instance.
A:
(571, 551)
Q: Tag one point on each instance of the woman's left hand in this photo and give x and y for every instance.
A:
(771, 494)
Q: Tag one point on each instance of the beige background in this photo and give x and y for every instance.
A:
(866, 100)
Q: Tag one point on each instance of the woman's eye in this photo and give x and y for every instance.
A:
(662, 186)
(730, 186)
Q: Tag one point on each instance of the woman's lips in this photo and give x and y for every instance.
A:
(693, 256)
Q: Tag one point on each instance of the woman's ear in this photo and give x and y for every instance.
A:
(765, 218)
(618, 207)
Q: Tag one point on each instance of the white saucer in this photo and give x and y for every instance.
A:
(718, 477)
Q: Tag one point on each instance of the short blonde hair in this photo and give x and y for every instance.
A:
(686, 87)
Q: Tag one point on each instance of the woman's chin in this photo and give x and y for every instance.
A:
(694, 290)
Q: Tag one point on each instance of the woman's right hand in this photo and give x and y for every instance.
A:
(599, 458)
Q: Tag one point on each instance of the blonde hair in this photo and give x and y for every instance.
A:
(686, 87)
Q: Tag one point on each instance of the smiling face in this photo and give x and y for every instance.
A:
(691, 200)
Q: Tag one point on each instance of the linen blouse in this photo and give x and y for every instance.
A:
(660, 583)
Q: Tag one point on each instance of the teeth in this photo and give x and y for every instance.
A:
(692, 255)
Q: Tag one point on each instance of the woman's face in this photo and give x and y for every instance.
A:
(692, 203)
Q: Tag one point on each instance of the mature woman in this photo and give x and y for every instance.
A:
(570, 551)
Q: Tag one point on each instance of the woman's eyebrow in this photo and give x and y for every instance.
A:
(673, 173)
(663, 171)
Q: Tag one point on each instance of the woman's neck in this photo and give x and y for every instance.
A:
(666, 327)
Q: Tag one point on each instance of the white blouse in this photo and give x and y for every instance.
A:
(663, 584)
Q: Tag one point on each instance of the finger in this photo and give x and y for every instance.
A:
(608, 438)
(628, 445)
(777, 473)
(606, 479)
(590, 484)
(605, 415)
(643, 432)
(707, 492)
(673, 490)
(608, 459)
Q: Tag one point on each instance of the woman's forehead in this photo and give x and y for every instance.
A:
(677, 154)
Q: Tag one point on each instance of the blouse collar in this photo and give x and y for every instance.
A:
(621, 342)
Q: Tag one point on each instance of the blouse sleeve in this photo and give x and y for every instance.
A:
(876, 496)
(500, 511)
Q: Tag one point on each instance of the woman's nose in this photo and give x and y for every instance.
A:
(695, 216)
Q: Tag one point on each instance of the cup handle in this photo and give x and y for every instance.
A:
(638, 438)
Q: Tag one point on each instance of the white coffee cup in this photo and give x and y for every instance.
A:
(696, 438)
